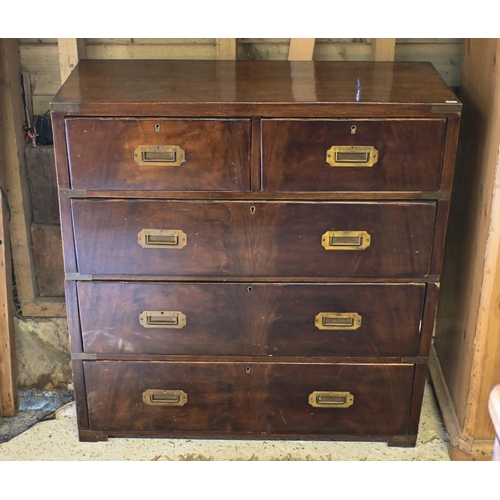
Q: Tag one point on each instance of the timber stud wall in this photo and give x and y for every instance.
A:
(50, 61)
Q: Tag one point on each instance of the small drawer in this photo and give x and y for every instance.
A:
(159, 154)
(273, 239)
(259, 399)
(223, 319)
(352, 155)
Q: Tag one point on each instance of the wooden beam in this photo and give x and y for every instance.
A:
(9, 400)
(71, 50)
(225, 48)
(8, 368)
(301, 49)
(494, 409)
(384, 49)
(16, 179)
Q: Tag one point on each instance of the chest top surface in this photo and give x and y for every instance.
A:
(211, 87)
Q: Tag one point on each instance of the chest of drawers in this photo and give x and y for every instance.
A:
(253, 249)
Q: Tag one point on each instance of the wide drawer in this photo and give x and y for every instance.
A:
(216, 239)
(159, 154)
(358, 155)
(248, 398)
(251, 319)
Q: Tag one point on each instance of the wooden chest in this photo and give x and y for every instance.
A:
(253, 249)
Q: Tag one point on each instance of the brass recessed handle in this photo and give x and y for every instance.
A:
(162, 238)
(162, 319)
(157, 397)
(337, 321)
(345, 240)
(160, 156)
(325, 399)
(352, 156)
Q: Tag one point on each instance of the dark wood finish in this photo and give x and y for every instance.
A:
(443, 211)
(216, 152)
(263, 196)
(47, 251)
(421, 372)
(254, 214)
(255, 169)
(271, 319)
(410, 154)
(428, 318)
(258, 88)
(60, 152)
(69, 254)
(70, 289)
(82, 415)
(43, 185)
(264, 398)
(278, 239)
(450, 152)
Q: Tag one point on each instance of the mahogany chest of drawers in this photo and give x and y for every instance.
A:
(253, 248)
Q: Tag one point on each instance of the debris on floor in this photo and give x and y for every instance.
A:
(34, 406)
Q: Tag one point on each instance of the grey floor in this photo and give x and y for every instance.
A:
(57, 440)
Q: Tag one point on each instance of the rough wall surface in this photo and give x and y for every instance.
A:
(43, 353)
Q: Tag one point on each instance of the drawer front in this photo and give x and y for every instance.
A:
(217, 239)
(251, 319)
(121, 154)
(408, 155)
(248, 398)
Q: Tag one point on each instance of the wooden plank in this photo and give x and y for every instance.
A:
(47, 249)
(494, 409)
(48, 307)
(9, 400)
(301, 49)
(17, 188)
(167, 51)
(225, 48)
(71, 50)
(41, 169)
(384, 49)
(151, 41)
(467, 340)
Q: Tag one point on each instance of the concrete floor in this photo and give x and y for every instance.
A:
(57, 440)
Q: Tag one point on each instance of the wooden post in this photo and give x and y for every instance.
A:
(384, 49)
(494, 409)
(225, 48)
(9, 401)
(301, 49)
(71, 50)
(15, 175)
(465, 363)
(8, 367)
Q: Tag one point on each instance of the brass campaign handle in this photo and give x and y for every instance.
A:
(352, 156)
(162, 238)
(162, 319)
(160, 156)
(345, 240)
(158, 397)
(326, 399)
(337, 321)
